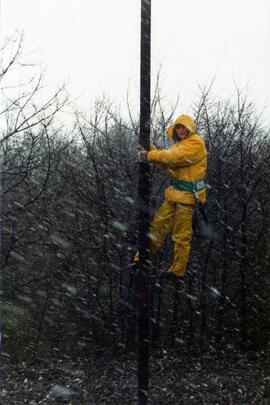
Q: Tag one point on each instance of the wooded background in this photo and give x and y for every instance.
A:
(69, 221)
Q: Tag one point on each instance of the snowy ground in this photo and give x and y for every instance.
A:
(174, 379)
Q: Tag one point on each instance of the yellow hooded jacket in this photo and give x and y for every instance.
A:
(186, 159)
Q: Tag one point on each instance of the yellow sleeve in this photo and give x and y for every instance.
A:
(153, 146)
(185, 154)
(161, 165)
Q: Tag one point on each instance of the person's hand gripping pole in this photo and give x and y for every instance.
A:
(141, 154)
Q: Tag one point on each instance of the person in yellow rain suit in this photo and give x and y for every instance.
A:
(186, 162)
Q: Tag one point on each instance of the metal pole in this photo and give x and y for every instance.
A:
(144, 214)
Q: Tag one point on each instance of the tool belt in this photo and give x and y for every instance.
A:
(190, 186)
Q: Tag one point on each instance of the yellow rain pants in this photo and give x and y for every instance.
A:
(177, 219)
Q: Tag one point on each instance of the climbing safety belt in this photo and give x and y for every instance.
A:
(192, 187)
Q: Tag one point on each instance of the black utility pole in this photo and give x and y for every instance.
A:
(144, 214)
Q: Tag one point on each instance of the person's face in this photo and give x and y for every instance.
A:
(180, 132)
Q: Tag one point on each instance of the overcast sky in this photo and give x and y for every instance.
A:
(94, 45)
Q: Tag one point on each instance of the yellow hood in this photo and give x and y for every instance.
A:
(185, 120)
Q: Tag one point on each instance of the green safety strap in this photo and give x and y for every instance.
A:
(190, 186)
